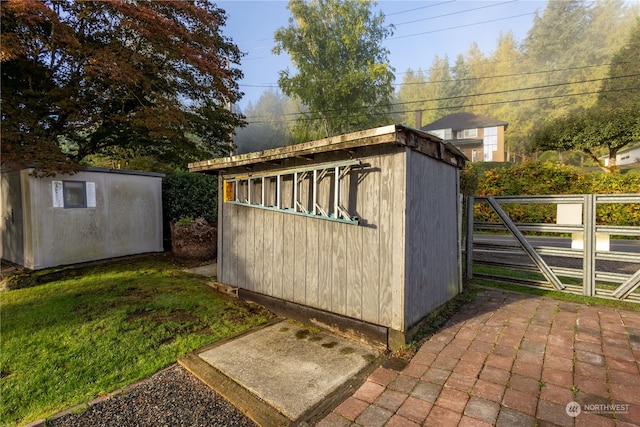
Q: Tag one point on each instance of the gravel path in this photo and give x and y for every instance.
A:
(172, 397)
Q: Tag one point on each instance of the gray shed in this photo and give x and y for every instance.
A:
(358, 232)
(92, 215)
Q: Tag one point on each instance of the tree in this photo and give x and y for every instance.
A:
(623, 84)
(86, 78)
(613, 122)
(501, 70)
(411, 96)
(589, 131)
(343, 75)
(267, 126)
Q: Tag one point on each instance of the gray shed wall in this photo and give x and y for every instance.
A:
(126, 220)
(355, 271)
(432, 264)
(11, 215)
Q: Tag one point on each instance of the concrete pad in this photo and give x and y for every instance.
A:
(290, 366)
(208, 270)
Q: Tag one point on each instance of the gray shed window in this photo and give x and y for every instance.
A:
(296, 190)
(75, 194)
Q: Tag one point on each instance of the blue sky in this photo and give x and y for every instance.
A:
(423, 29)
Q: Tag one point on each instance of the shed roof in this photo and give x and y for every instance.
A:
(415, 139)
(14, 168)
(460, 121)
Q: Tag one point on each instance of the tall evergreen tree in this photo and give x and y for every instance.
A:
(613, 122)
(412, 96)
(622, 87)
(438, 91)
(268, 124)
(461, 84)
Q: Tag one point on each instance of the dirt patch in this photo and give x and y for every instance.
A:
(194, 239)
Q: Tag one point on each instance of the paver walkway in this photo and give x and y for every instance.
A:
(511, 359)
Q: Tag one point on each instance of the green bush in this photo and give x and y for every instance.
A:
(192, 195)
(544, 178)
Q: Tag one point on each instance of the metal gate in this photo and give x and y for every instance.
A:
(576, 253)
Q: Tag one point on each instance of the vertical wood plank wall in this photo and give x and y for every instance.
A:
(432, 236)
(355, 271)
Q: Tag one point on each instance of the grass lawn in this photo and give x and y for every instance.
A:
(103, 327)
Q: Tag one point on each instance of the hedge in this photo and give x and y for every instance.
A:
(190, 195)
(545, 178)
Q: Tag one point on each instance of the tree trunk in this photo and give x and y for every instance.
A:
(598, 161)
(613, 164)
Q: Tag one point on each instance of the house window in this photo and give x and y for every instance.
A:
(471, 133)
(74, 194)
(467, 133)
(490, 143)
(441, 133)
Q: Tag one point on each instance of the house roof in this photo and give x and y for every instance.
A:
(460, 121)
(414, 139)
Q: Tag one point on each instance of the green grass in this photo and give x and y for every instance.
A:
(68, 341)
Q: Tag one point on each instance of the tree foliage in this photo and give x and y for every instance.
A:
(612, 123)
(269, 120)
(590, 130)
(539, 178)
(342, 72)
(561, 66)
(91, 77)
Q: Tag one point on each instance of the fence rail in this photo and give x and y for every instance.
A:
(587, 263)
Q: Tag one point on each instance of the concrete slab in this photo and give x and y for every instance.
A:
(290, 366)
(208, 270)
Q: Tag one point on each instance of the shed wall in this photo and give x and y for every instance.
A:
(11, 215)
(355, 271)
(432, 272)
(126, 220)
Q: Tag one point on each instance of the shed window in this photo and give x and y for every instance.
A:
(315, 191)
(75, 194)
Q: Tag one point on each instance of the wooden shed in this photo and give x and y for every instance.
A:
(359, 232)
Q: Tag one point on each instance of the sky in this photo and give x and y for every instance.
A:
(423, 29)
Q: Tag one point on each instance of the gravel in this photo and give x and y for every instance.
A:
(172, 397)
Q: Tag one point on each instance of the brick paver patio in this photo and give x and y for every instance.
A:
(510, 359)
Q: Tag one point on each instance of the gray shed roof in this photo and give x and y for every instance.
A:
(415, 139)
(460, 121)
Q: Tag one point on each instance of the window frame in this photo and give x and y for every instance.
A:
(66, 191)
(471, 133)
(265, 190)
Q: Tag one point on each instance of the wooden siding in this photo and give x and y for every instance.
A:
(352, 270)
(432, 274)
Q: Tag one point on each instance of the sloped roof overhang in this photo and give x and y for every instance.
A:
(412, 138)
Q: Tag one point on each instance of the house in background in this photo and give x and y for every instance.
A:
(627, 158)
(480, 138)
(67, 219)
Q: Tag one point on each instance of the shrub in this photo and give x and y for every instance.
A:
(543, 178)
(190, 195)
